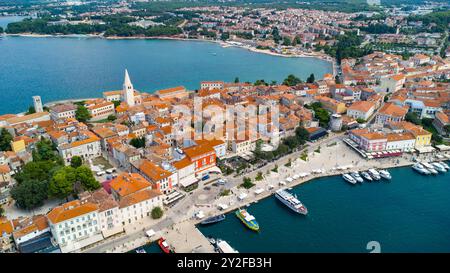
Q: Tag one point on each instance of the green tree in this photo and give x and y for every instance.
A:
(247, 183)
(31, 110)
(157, 213)
(337, 80)
(236, 80)
(30, 194)
(5, 140)
(138, 142)
(45, 150)
(287, 41)
(311, 78)
(260, 82)
(85, 176)
(413, 117)
(112, 118)
(116, 103)
(82, 114)
(292, 80)
(360, 120)
(62, 182)
(76, 161)
(302, 134)
(259, 176)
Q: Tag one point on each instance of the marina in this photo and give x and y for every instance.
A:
(394, 206)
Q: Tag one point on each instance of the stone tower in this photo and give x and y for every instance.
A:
(37, 102)
(128, 90)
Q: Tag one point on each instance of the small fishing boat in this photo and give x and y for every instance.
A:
(214, 219)
(247, 219)
(164, 245)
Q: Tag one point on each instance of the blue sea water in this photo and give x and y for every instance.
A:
(411, 213)
(63, 68)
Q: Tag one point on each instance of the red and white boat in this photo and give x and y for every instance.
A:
(164, 245)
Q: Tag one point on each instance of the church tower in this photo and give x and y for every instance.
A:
(128, 90)
(37, 102)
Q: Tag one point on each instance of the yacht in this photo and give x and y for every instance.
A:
(349, 178)
(439, 167)
(429, 167)
(420, 169)
(366, 176)
(444, 165)
(385, 174)
(374, 174)
(357, 177)
(291, 201)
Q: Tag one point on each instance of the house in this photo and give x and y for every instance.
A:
(393, 83)
(185, 172)
(84, 144)
(63, 111)
(178, 92)
(442, 123)
(161, 179)
(75, 225)
(212, 85)
(331, 105)
(400, 141)
(220, 147)
(391, 113)
(361, 110)
(128, 183)
(139, 205)
(316, 133)
(32, 234)
(369, 141)
(422, 136)
(6, 230)
(203, 156)
(100, 109)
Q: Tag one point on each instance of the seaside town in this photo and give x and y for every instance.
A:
(115, 172)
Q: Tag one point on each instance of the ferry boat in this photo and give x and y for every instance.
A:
(420, 169)
(357, 177)
(374, 174)
(385, 174)
(212, 220)
(291, 201)
(349, 178)
(164, 245)
(366, 176)
(439, 167)
(247, 219)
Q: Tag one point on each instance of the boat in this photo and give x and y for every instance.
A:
(385, 174)
(247, 219)
(444, 165)
(212, 220)
(140, 251)
(211, 240)
(439, 167)
(420, 169)
(164, 245)
(291, 201)
(366, 176)
(429, 167)
(357, 177)
(349, 178)
(374, 174)
(223, 247)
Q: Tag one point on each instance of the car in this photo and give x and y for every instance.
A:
(221, 181)
(207, 188)
(205, 177)
(100, 173)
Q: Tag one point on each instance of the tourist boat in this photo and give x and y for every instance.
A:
(164, 245)
(140, 251)
(291, 201)
(374, 174)
(385, 174)
(429, 167)
(420, 169)
(214, 219)
(439, 167)
(349, 178)
(366, 176)
(357, 177)
(247, 219)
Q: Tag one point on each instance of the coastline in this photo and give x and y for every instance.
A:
(221, 43)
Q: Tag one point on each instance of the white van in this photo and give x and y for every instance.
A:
(100, 173)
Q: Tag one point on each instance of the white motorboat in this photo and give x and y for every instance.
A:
(366, 176)
(374, 174)
(420, 169)
(357, 177)
(349, 178)
(385, 174)
(439, 167)
(445, 165)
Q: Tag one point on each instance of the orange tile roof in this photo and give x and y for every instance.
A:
(198, 150)
(128, 183)
(171, 90)
(70, 210)
(391, 109)
(183, 163)
(4, 168)
(138, 197)
(362, 106)
(153, 171)
(400, 136)
(5, 226)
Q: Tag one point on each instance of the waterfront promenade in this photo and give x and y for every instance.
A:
(180, 221)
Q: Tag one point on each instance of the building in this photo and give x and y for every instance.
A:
(369, 141)
(128, 90)
(101, 110)
(212, 85)
(85, 145)
(6, 230)
(185, 172)
(37, 102)
(203, 156)
(139, 205)
(113, 95)
(178, 92)
(442, 123)
(27, 119)
(331, 105)
(361, 110)
(336, 122)
(400, 141)
(63, 111)
(316, 133)
(391, 113)
(161, 179)
(75, 225)
(393, 83)
(29, 234)
(128, 183)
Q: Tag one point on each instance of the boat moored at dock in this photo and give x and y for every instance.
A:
(385, 174)
(291, 201)
(247, 219)
(420, 169)
(212, 220)
(429, 167)
(366, 176)
(357, 177)
(165, 247)
(374, 174)
(439, 167)
(349, 178)
(223, 247)
(445, 165)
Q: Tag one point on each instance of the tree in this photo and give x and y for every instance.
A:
(30, 194)
(82, 114)
(45, 150)
(31, 110)
(138, 142)
(76, 162)
(85, 176)
(447, 128)
(112, 118)
(62, 182)
(302, 134)
(360, 120)
(247, 183)
(337, 79)
(5, 140)
(2, 211)
(292, 80)
(116, 103)
(1, 30)
(259, 176)
(287, 41)
(260, 82)
(157, 213)
(236, 80)
(311, 78)
(413, 117)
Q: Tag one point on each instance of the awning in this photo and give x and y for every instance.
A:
(214, 169)
(426, 149)
(185, 182)
(150, 232)
(443, 147)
